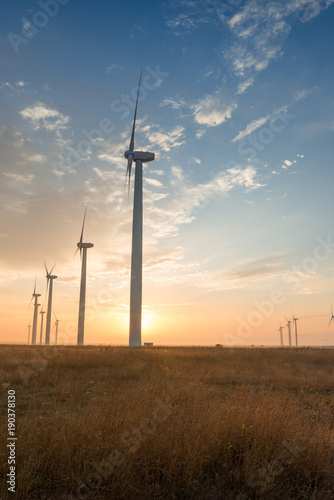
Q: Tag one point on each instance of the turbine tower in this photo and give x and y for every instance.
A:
(139, 157)
(36, 306)
(49, 284)
(295, 322)
(56, 325)
(41, 334)
(281, 334)
(289, 330)
(82, 301)
(29, 326)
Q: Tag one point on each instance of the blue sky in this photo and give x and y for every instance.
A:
(237, 104)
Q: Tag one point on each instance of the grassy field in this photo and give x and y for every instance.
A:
(169, 423)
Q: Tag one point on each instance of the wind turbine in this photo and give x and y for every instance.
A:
(82, 301)
(281, 334)
(56, 325)
(29, 326)
(295, 322)
(41, 334)
(289, 330)
(49, 284)
(139, 157)
(331, 317)
(36, 306)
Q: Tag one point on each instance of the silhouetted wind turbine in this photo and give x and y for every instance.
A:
(82, 301)
(29, 326)
(332, 317)
(56, 325)
(41, 334)
(289, 330)
(295, 322)
(139, 157)
(36, 306)
(49, 284)
(281, 333)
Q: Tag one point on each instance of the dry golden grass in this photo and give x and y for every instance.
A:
(170, 423)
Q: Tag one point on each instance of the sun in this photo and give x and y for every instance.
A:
(147, 321)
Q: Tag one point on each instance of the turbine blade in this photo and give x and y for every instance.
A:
(330, 321)
(75, 253)
(35, 284)
(83, 225)
(128, 173)
(54, 265)
(332, 309)
(46, 269)
(132, 141)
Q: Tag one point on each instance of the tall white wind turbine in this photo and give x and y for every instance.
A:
(295, 323)
(139, 157)
(281, 334)
(36, 306)
(49, 284)
(56, 325)
(289, 330)
(41, 333)
(82, 300)
(29, 326)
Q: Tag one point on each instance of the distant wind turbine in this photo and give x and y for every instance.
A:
(49, 284)
(295, 322)
(82, 301)
(281, 334)
(289, 330)
(139, 157)
(29, 326)
(56, 325)
(41, 334)
(332, 317)
(36, 306)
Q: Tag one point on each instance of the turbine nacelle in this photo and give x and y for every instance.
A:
(51, 277)
(143, 156)
(85, 245)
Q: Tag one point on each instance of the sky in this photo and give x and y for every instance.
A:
(236, 103)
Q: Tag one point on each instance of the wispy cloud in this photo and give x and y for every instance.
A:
(166, 140)
(212, 110)
(185, 23)
(251, 127)
(260, 29)
(43, 117)
(243, 86)
(173, 102)
(187, 198)
(113, 67)
(19, 178)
